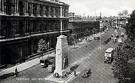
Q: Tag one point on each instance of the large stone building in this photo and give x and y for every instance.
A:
(30, 27)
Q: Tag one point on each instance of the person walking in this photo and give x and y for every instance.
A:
(75, 73)
(16, 72)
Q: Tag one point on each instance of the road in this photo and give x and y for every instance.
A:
(93, 50)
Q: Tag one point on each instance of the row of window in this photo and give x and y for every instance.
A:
(10, 29)
(15, 7)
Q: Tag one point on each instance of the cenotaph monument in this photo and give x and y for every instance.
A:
(61, 58)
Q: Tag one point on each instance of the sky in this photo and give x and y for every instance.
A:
(94, 7)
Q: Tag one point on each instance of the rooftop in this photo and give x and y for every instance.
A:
(55, 1)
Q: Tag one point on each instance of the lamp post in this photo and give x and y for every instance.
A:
(101, 26)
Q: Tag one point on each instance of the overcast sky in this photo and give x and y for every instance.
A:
(94, 7)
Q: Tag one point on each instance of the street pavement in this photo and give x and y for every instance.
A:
(101, 72)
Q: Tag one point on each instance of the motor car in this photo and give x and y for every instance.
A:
(44, 62)
(117, 36)
(114, 39)
(96, 38)
(51, 68)
(119, 40)
(86, 73)
(122, 34)
(112, 35)
(72, 68)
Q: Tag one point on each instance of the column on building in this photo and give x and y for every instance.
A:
(54, 25)
(38, 10)
(56, 11)
(12, 7)
(26, 27)
(54, 15)
(31, 9)
(0, 29)
(66, 11)
(38, 26)
(51, 25)
(2, 7)
(49, 11)
(35, 9)
(25, 8)
(41, 10)
(28, 6)
(63, 11)
(44, 11)
(20, 52)
(13, 3)
(16, 8)
(14, 27)
(31, 26)
(44, 26)
(31, 47)
(41, 26)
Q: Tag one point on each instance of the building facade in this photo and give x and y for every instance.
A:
(121, 21)
(30, 27)
(82, 29)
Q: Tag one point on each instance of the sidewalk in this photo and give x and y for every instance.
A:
(23, 66)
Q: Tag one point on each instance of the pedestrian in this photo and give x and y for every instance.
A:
(16, 72)
(75, 73)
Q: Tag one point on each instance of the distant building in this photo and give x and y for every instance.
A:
(29, 28)
(73, 17)
(82, 29)
(120, 21)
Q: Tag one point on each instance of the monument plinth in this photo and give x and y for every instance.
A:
(61, 59)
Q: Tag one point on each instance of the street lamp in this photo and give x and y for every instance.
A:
(101, 27)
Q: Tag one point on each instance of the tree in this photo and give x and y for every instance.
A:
(121, 67)
(120, 64)
(125, 52)
(42, 45)
(131, 27)
(120, 14)
(125, 12)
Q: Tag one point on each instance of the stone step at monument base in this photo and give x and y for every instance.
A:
(62, 80)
